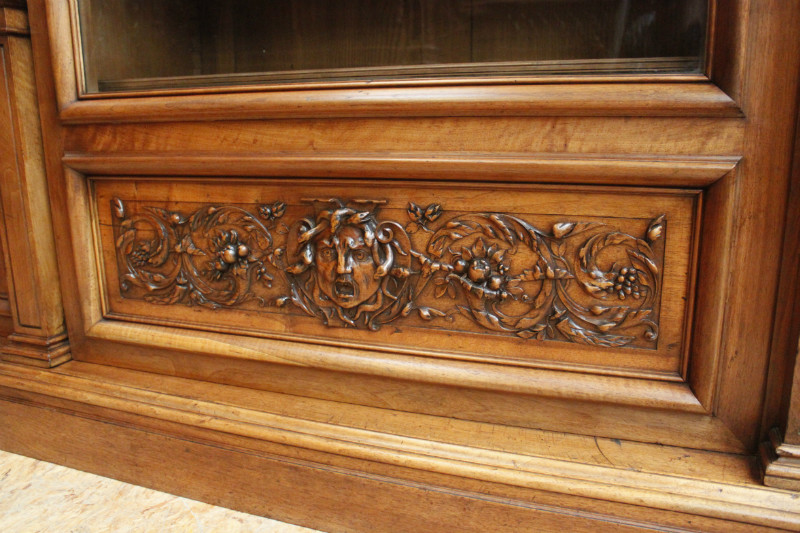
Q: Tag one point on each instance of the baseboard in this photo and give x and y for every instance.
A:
(350, 469)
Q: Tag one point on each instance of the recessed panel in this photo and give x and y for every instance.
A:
(596, 279)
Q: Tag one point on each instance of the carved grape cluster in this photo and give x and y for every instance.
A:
(141, 253)
(626, 283)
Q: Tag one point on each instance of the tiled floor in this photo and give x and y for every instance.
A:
(42, 497)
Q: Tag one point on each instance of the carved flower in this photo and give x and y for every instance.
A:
(482, 267)
(272, 212)
(230, 252)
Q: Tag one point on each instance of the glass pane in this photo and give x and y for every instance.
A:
(145, 44)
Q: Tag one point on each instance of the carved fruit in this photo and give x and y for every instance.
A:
(460, 266)
(243, 250)
(495, 282)
(479, 270)
(229, 255)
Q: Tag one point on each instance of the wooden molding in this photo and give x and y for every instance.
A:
(647, 99)
(668, 171)
(780, 462)
(112, 402)
(397, 364)
(13, 20)
(36, 351)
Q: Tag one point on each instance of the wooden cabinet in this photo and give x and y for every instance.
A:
(480, 300)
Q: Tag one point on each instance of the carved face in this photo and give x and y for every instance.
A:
(346, 268)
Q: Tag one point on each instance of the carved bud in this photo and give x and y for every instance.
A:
(562, 228)
(118, 207)
(655, 229)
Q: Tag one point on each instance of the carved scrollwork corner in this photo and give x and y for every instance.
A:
(341, 263)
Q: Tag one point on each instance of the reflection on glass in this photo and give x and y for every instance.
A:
(144, 44)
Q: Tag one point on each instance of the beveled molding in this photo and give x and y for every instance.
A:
(780, 462)
(216, 421)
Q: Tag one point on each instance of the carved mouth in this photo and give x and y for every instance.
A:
(344, 288)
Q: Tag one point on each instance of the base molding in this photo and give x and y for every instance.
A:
(334, 475)
(780, 462)
(36, 351)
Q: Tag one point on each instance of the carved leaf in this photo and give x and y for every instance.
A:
(479, 248)
(278, 209)
(433, 211)
(585, 336)
(508, 232)
(427, 313)
(414, 212)
(483, 318)
(643, 261)
(532, 323)
(597, 286)
(451, 290)
(541, 298)
(118, 207)
(163, 213)
(125, 241)
(534, 274)
(440, 290)
(436, 247)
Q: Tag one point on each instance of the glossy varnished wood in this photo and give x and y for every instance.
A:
(83, 391)
(38, 335)
(380, 421)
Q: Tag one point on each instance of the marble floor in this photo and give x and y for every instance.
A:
(39, 497)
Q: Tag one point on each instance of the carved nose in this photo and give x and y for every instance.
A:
(344, 265)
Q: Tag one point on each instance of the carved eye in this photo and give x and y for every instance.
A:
(361, 255)
(327, 254)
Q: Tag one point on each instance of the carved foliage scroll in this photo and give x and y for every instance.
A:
(577, 281)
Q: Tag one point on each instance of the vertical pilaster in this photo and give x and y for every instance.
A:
(38, 335)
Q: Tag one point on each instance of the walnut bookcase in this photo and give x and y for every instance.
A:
(547, 302)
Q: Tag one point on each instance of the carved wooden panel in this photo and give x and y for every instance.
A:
(530, 275)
